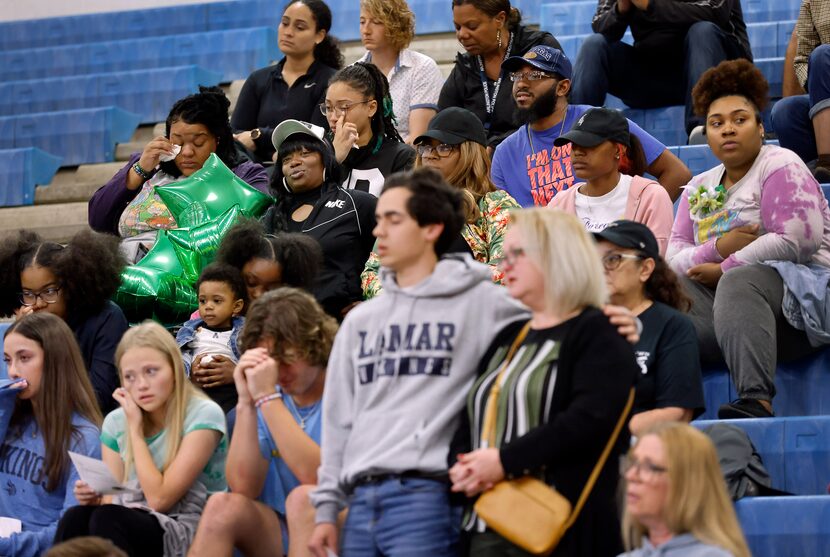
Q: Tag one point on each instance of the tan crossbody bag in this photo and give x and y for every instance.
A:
(526, 511)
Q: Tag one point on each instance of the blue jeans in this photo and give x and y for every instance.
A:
(650, 79)
(792, 117)
(405, 517)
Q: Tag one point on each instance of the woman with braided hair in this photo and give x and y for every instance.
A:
(361, 117)
(197, 126)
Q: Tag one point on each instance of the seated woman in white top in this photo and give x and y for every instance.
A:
(610, 163)
(386, 29)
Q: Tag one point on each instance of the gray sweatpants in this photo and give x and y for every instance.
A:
(740, 323)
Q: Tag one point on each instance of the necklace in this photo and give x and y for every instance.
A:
(561, 129)
(311, 410)
(490, 104)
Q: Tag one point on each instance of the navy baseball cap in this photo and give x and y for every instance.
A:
(542, 57)
(632, 235)
(595, 126)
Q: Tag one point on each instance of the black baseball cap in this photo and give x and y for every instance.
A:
(542, 57)
(453, 126)
(632, 235)
(595, 126)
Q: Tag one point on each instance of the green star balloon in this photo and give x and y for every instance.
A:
(209, 192)
(196, 247)
(148, 293)
(155, 287)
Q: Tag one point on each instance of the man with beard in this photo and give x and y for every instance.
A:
(527, 165)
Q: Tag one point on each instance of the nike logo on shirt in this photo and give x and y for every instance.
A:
(309, 85)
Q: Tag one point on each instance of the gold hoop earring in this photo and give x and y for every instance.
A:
(498, 38)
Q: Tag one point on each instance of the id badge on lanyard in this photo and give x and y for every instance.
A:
(490, 104)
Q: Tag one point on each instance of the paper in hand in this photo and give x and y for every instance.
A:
(9, 526)
(97, 476)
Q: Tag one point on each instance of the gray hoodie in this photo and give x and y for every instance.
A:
(399, 373)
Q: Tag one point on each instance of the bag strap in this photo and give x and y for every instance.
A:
(488, 431)
(589, 485)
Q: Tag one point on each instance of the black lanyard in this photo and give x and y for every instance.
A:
(490, 104)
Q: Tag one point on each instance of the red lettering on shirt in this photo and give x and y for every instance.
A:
(549, 172)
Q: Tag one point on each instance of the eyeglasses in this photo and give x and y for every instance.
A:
(612, 261)
(338, 111)
(442, 150)
(511, 256)
(534, 75)
(49, 295)
(646, 471)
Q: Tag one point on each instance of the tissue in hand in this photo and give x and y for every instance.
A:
(176, 150)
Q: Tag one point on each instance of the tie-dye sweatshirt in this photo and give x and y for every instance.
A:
(778, 193)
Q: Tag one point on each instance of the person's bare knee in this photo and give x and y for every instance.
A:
(298, 503)
(223, 512)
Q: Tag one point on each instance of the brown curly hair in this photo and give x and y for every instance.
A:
(732, 77)
(295, 322)
(396, 17)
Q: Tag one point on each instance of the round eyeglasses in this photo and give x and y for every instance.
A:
(49, 295)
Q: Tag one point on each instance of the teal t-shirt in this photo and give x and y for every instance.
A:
(202, 413)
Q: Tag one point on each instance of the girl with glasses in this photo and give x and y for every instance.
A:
(669, 385)
(295, 85)
(361, 117)
(455, 145)
(74, 282)
(47, 408)
(675, 497)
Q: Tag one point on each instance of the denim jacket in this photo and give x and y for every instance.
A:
(188, 333)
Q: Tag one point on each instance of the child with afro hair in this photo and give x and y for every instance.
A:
(209, 342)
(75, 282)
(741, 229)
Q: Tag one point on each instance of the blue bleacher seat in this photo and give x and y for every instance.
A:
(795, 451)
(78, 136)
(234, 54)
(108, 26)
(773, 70)
(20, 171)
(786, 526)
(567, 18)
(770, 10)
(148, 93)
(803, 387)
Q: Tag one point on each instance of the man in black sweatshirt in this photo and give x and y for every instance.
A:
(675, 41)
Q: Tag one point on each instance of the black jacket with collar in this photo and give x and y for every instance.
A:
(266, 100)
(463, 86)
(342, 222)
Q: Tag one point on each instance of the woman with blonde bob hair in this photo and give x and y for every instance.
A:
(166, 441)
(454, 145)
(676, 499)
(564, 378)
(386, 29)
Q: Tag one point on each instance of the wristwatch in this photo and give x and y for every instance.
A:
(256, 133)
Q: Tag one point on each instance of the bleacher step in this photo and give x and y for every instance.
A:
(55, 222)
